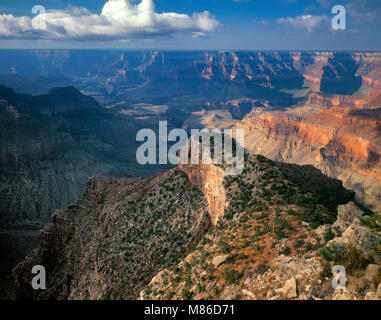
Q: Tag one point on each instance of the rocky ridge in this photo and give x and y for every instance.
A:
(110, 244)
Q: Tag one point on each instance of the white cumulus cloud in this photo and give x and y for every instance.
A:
(119, 20)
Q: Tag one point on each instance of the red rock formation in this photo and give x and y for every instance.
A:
(208, 178)
(333, 133)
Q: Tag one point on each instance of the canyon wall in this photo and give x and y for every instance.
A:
(340, 135)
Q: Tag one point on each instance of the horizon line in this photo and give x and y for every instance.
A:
(196, 50)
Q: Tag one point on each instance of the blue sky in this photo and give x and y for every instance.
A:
(192, 24)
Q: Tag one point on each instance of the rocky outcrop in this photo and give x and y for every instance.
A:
(217, 261)
(358, 235)
(290, 289)
(208, 179)
(345, 217)
(205, 175)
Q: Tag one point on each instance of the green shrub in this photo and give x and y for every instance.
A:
(350, 257)
(329, 235)
(299, 243)
(224, 247)
(187, 295)
(330, 253)
(279, 234)
(231, 276)
(371, 222)
(217, 291)
(353, 259)
(169, 295)
(326, 271)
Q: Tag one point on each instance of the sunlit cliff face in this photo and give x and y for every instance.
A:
(337, 134)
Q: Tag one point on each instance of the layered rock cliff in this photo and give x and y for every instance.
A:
(338, 134)
(163, 77)
(209, 179)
